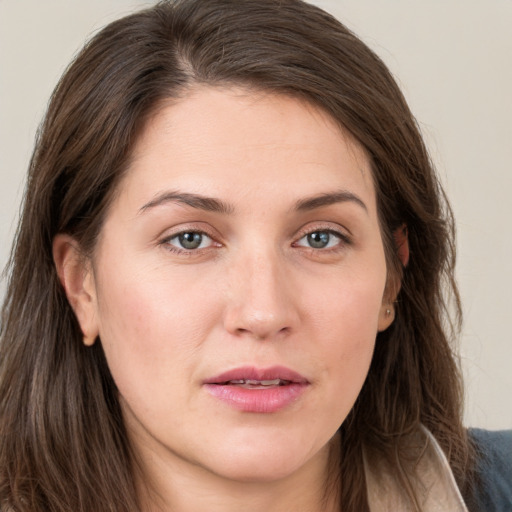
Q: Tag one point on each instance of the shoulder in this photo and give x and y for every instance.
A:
(493, 490)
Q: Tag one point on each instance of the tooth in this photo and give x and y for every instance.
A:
(274, 382)
(253, 382)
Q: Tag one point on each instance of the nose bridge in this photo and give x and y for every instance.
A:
(260, 301)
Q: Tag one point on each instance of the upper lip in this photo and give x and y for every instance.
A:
(259, 374)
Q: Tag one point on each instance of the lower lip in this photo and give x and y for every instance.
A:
(259, 400)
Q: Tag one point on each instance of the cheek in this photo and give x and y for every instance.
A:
(148, 317)
(347, 310)
(345, 320)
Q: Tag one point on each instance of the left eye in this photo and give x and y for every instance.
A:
(320, 240)
(190, 240)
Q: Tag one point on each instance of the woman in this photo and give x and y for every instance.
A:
(225, 290)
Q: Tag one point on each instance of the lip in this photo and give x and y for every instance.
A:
(271, 400)
(251, 372)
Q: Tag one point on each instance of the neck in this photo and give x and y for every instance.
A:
(168, 484)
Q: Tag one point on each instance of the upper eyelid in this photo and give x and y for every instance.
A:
(178, 233)
(189, 228)
(324, 226)
(343, 239)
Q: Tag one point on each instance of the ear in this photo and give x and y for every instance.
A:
(387, 310)
(76, 276)
(401, 238)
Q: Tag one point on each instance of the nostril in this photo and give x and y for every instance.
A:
(262, 333)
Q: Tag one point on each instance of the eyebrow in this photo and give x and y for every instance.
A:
(327, 199)
(200, 202)
(211, 204)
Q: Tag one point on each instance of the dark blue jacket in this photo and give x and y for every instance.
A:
(493, 492)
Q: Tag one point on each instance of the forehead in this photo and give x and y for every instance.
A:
(237, 141)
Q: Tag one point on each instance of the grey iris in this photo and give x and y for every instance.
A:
(319, 239)
(190, 240)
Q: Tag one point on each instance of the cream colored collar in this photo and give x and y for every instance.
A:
(428, 473)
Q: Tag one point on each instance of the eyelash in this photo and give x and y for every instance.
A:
(343, 241)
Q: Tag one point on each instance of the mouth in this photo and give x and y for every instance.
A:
(249, 389)
(255, 384)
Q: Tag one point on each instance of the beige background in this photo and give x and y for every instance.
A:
(453, 59)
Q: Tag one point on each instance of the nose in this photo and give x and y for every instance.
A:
(262, 303)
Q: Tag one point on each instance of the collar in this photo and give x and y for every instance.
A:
(427, 471)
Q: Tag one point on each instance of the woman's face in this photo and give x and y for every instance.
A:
(237, 285)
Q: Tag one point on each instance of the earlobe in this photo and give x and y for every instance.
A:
(76, 277)
(386, 316)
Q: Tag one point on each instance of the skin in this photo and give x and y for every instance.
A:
(253, 293)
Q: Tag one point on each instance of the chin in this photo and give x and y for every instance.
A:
(258, 471)
(262, 462)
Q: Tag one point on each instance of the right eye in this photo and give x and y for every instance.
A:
(189, 241)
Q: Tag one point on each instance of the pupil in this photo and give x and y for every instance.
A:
(190, 240)
(318, 239)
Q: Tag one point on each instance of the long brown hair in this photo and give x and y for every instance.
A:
(63, 445)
